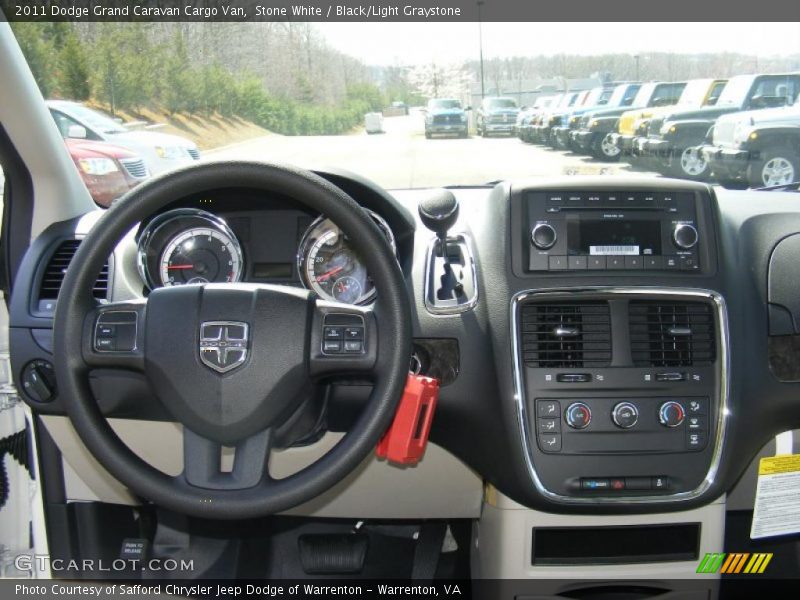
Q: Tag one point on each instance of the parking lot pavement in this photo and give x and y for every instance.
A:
(402, 157)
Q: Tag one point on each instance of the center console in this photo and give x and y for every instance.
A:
(620, 373)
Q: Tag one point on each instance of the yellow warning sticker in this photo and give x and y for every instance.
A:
(773, 465)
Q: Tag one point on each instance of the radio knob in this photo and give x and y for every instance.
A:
(671, 414)
(543, 236)
(685, 236)
(625, 415)
(578, 415)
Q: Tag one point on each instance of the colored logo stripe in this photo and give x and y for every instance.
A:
(734, 563)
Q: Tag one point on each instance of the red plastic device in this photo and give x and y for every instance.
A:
(405, 441)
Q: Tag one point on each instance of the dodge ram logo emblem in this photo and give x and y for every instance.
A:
(223, 344)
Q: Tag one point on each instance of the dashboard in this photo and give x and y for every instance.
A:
(630, 346)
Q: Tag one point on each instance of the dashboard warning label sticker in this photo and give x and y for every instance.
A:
(777, 506)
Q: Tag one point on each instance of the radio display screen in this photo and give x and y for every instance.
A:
(600, 237)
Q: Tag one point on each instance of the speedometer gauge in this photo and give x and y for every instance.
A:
(188, 246)
(200, 256)
(330, 266)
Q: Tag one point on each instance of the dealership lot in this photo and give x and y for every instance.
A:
(402, 157)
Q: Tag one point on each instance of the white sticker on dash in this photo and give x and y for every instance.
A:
(777, 506)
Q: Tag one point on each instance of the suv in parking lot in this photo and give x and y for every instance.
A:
(593, 136)
(760, 148)
(445, 116)
(497, 115)
(673, 136)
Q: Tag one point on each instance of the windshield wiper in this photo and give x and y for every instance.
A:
(784, 187)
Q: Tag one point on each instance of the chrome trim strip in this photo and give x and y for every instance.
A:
(723, 408)
(472, 302)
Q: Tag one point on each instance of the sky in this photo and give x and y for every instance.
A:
(414, 43)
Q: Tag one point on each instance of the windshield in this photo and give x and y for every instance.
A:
(443, 104)
(405, 104)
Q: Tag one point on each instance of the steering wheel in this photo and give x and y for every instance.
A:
(231, 362)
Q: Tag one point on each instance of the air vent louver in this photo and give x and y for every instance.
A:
(566, 334)
(671, 334)
(56, 268)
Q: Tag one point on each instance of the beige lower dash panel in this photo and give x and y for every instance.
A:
(439, 486)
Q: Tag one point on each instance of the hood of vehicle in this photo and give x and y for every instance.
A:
(706, 112)
(446, 111)
(607, 112)
(630, 119)
(734, 128)
(502, 111)
(151, 139)
(91, 149)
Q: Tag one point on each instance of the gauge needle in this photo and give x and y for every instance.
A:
(180, 266)
(328, 274)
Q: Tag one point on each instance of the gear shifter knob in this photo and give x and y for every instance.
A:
(439, 212)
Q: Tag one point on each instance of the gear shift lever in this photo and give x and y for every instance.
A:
(439, 212)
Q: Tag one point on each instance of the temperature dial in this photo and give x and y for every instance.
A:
(685, 236)
(578, 415)
(625, 415)
(671, 414)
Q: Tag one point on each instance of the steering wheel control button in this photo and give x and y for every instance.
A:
(343, 334)
(574, 378)
(671, 414)
(543, 236)
(685, 236)
(115, 331)
(549, 409)
(549, 426)
(39, 381)
(550, 442)
(625, 415)
(578, 415)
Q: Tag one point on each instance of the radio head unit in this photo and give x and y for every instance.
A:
(608, 230)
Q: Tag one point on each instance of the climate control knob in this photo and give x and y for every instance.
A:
(685, 236)
(671, 414)
(543, 236)
(625, 415)
(578, 415)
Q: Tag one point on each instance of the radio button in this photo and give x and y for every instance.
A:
(633, 262)
(615, 262)
(596, 262)
(543, 236)
(672, 263)
(558, 263)
(689, 263)
(539, 262)
(577, 263)
(653, 262)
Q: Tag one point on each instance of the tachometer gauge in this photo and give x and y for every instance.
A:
(330, 266)
(188, 246)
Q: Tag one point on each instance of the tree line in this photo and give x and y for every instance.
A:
(283, 77)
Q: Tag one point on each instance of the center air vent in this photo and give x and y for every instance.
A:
(566, 335)
(56, 268)
(671, 334)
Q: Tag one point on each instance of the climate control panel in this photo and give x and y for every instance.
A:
(629, 426)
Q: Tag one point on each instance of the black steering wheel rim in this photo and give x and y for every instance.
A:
(393, 318)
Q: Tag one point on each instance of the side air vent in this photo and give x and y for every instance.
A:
(56, 268)
(671, 334)
(566, 335)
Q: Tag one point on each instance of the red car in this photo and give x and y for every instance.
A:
(107, 170)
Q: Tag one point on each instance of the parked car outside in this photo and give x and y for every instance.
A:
(674, 136)
(373, 122)
(527, 119)
(540, 132)
(108, 171)
(621, 95)
(160, 151)
(445, 116)
(592, 137)
(633, 124)
(760, 148)
(497, 115)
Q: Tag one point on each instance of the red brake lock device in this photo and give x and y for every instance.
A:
(405, 441)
